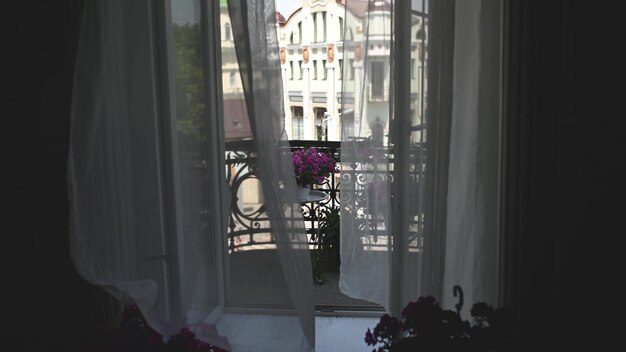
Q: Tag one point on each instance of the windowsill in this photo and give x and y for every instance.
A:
(332, 334)
(342, 334)
(338, 312)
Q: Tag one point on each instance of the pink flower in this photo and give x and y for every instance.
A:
(311, 166)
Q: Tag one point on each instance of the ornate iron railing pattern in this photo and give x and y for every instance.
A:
(249, 224)
(359, 191)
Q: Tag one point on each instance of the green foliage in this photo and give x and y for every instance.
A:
(189, 82)
(326, 256)
(425, 326)
(329, 237)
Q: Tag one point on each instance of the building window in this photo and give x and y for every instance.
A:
(321, 126)
(340, 28)
(314, 27)
(377, 81)
(232, 79)
(299, 32)
(340, 75)
(351, 69)
(413, 68)
(323, 69)
(300, 69)
(227, 35)
(297, 123)
(291, 70)
(324, 26)
(315, 69)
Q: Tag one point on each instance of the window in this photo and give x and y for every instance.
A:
(232, 79)
(314, 28)
(297, 123)
(324, 26)
(291, 70)
(340, 73)
(413, 68)
(299, 32)
(321, 127)
(340, 28)
(377, 83)
(315, 69)
(227, 33)
(351, 69)
(300, 69)
(324, 72)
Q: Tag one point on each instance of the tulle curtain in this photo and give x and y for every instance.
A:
(146, 174)
(257, 51)
(120, 237)
(420, 188)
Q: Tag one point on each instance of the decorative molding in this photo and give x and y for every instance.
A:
(305, 55)
(330, 53)
(358, 53)
(318, 3)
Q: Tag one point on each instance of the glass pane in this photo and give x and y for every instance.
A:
(191, 142)
(253, 275)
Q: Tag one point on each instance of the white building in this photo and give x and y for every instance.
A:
(311, 61)
(313, 57)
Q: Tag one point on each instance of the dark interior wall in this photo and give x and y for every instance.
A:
(575, 171)
(45, 304)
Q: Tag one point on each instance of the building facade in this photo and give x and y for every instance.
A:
(322, 50)
(311, 60)
(236, 121)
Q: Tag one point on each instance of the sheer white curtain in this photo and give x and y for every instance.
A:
(289, 280)
(146, 175)
(420, 152)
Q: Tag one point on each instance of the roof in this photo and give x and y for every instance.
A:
(236, 122)
(280, 19)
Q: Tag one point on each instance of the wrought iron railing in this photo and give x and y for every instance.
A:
(368, 207)
(249, 223)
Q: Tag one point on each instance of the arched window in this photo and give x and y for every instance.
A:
(323, 26)
(341, 29)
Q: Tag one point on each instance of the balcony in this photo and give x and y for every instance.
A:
(249, 232)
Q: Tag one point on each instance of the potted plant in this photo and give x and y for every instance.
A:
(425, 326)
(329, 238)
(311, 167)
(135, 335)
(326, 256)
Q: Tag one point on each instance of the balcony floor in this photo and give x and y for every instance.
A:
(328, 294)
(256, 277)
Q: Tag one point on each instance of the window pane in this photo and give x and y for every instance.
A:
(191, 143)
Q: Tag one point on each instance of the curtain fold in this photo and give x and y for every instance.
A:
(256, 44)
(146, 223)
(446, 231)
(366, 167)
(473, 184)
(117, 220)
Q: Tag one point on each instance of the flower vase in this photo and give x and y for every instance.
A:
(303, 193)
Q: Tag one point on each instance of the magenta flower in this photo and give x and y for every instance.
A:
(312, 166)
(135, 335)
